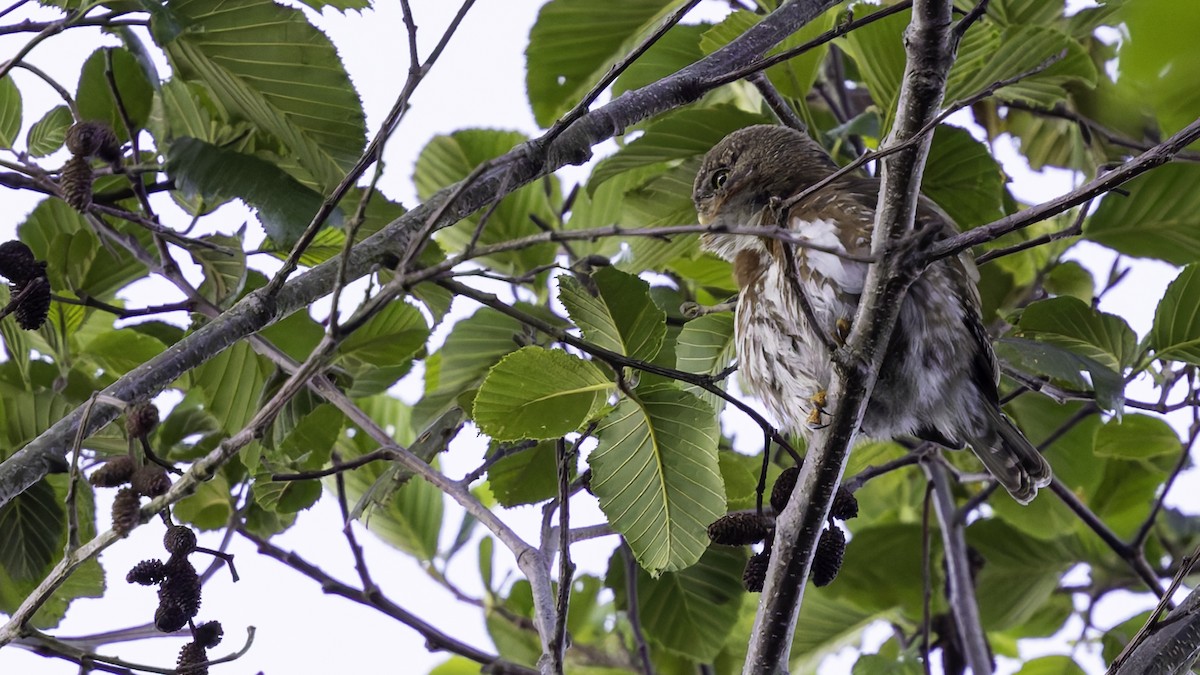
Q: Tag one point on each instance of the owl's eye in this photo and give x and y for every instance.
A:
(719, 177)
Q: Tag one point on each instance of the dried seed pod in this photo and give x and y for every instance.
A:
(76, 183)
(17, 263)
(755, 573)
(35, 302)
(181, 587)
(828, 557)
(781, 492)
(208, 634)
(89, 138)
(126, 511)
(141, 419)
(179, 540)
(193, 659)
(738, 529)
(169, 618)
(147, 573)
(151, 481)
(113, 473)
(845, 505)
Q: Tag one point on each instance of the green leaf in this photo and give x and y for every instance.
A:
(825, 626)
(1175, 335)
(878, 51)
(381, 351)
(1073, 324)
(705, 346)
(231, 382)
(963, 178)
(540, 394)
(10, 112)
(1157, 215)
(267, 64)
(309, 444)
(618, 315)
(31, 525)
(474, 345)
(1158, 59)
(286, 497)
(94, 97)
(664, 200)
(282, 204)
(446, 160)
(1069, 278)
(225, 273)
(692, 611)
(657, 477)
(867, 584)
(680, 47)
(47, 134)
(410, 518)
(1021, 49)
(877, 664)
(794, 77)
(525, 477)
(104, 274)
(684, 134)
(1136, 437)
(574, 42)
(1044, 358)
(120, 351)
(208, 508)
(1052, 665)
(340, 5)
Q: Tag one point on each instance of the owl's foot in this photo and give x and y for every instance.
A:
(842, 328)
(818, 401)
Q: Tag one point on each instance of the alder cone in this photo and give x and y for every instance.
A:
(738, 529)
(126, 511)
(193, 659)
(113, 473)
(781, 492)
(827, 559)
(179, 540)
(151, 481)
(17, 263)
(88, 139)
(141, 419)
(147, 573)
(76, 183)
(209, 634)
(755, 574)
(34, 307)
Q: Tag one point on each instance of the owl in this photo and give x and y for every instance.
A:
(939, 375)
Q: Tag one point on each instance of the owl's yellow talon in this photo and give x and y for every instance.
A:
(842, 327)
(818, 401)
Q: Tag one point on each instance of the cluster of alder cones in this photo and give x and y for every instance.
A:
(86, 140)
(179, 587)
(747, 528)
(29, 288)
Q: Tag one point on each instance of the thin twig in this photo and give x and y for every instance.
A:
(631, 610)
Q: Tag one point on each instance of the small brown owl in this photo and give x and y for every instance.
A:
(938, 380)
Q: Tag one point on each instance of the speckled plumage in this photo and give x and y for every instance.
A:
(938, 381)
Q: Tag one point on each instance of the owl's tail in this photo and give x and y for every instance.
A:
(1011, 458)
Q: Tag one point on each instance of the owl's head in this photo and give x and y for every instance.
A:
(741, 174)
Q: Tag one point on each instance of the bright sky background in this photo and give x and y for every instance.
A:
(479, 81)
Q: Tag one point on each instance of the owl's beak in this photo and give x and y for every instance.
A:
(705, 219)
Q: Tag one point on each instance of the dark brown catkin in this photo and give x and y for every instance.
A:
(76, 183)
(738, 529)
(113, 473)
(781, 492)
(35, 302)
(151, 480)
(755, 573)
(17, 263)
(828, 557)
(125, 511)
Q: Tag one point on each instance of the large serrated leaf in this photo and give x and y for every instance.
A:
(1156, 215)
(691, 612)
(390, 337)
(1046, 358)
(1072, 324)
(525, 477)
(681, 135)
(47, 134)
(621, 317)
(878, 51)
(574, 42)
(540, 394)
(1175, 335)
(706, 346)
(232, 381)
(94, 97)
(963, 178)
(1136, 437)
(1020, 50)
(10, 112)
(794, 77)
(680, 47)
(106, 272)
(224, 268)
(267, 64)
(30, 526)
(283, 205)
(446, 160)
(657, 476)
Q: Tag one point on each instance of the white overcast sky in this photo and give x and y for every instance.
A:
(479, 82)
